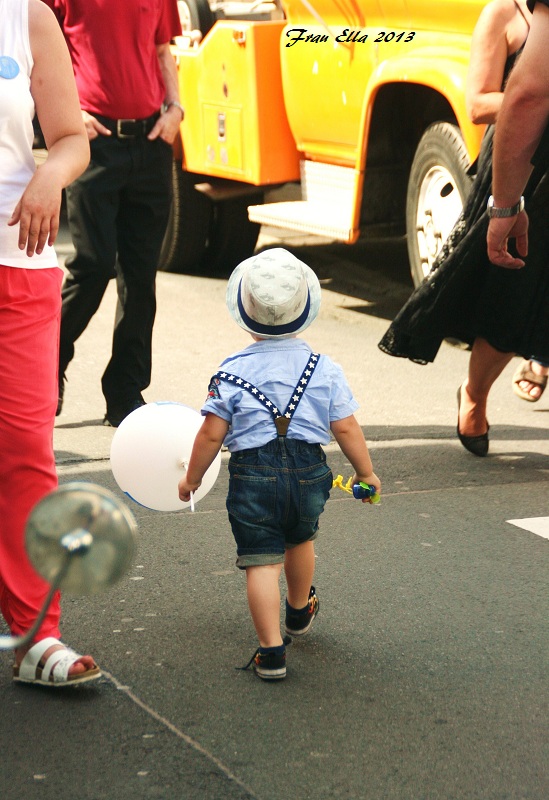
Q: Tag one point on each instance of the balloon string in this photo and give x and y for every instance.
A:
(185, 465)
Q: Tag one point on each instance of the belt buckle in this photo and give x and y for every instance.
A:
(119, 129)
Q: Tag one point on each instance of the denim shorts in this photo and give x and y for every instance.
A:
(276, 494)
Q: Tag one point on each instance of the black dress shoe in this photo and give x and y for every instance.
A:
(116, 414)
(477, 445)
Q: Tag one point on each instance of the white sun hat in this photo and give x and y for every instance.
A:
(273, 294)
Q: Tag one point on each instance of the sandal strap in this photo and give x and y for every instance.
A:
(58, 665)
(31, 659)
(524, 372)
(532, 377)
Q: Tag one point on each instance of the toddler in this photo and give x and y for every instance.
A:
(273, 405)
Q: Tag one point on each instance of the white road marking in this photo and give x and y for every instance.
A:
(537, 525)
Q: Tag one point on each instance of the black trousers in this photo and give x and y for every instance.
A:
(118, 212)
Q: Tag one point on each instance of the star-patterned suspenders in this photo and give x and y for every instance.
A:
(281, 420)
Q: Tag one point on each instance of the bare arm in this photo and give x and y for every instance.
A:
(521, 122)
(490, 47)
(206, 446)
(54, 92)
(167, 126)
(349, 436)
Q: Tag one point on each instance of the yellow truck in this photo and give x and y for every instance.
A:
(355, 107)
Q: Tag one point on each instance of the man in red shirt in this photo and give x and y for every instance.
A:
(118, 209)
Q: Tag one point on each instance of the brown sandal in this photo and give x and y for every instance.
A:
(524, 373)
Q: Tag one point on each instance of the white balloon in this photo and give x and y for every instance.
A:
(150, 450)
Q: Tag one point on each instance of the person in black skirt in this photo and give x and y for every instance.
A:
(499, 312)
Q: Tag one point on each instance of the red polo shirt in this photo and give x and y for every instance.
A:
(113, 49)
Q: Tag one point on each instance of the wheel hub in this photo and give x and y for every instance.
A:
(439, 206)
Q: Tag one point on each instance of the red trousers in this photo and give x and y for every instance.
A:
(30, 308)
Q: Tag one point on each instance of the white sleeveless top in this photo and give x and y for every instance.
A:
(16, 133)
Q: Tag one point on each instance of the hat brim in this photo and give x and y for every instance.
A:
(232, 298)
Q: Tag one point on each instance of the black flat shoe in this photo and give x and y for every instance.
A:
(477, 445)
(62, 380)
(116, 414)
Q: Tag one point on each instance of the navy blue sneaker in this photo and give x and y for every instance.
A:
(298, 623)
(269, 663)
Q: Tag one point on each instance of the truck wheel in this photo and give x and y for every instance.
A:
(437, 189)
(195, 15)
(202, 236)
(188, 224)
(233, 236)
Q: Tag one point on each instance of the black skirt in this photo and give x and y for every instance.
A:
(466, 296)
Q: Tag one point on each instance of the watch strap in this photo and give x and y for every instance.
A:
(510, 211)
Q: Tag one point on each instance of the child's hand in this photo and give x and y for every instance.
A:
(185, 488)
(372, 479)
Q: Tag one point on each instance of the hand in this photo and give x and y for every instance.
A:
(167, 125)
(185, 488)
(372, 479)
(94, 128)
(500, 230)
(37, 213)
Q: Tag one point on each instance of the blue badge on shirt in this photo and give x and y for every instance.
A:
(9, 68)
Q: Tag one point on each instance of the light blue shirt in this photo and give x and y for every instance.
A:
(275, 366)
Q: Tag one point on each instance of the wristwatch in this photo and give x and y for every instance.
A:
(512, 211)
(178, 105)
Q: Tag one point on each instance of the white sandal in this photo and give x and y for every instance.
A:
(55, 672)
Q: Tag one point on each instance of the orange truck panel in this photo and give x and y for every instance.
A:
(236, 125)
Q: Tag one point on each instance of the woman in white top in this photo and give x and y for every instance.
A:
(35, 77)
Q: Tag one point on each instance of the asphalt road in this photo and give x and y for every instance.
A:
(425, 675)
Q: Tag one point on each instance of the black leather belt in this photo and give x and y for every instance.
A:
(129, 128)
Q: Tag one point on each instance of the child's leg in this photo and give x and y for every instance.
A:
(299, 566)
(264, 601)
(302, 602)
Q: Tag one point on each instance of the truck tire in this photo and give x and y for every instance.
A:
(233, 236)
(188, 224)
(437, 189)
(195, 15)
(205, 237)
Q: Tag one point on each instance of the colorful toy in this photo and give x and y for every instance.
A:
(358, 490)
